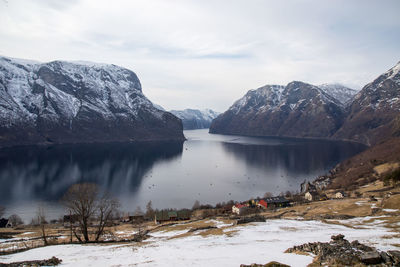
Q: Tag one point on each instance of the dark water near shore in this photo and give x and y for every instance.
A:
(208, 168)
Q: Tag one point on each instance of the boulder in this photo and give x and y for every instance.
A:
(395, 255)
(372, 257)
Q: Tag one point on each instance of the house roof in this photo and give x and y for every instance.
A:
(172, 214)
(162, 216)
(239, 205)
(275, 200)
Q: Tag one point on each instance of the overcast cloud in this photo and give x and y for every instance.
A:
(207, 54)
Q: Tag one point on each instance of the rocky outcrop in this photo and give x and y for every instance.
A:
(374, 115)
(195, 118)
(296, 110)
(340, 252)
(269, 264)
(74, 102)
(54, 261)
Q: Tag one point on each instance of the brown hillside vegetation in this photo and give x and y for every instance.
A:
(367, 166)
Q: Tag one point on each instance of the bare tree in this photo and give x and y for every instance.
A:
(106, 207)
(41, 218)
(2, 211)
(84, 201)
(149, 210)
(138, 211)
(196, 205)
(15, 220)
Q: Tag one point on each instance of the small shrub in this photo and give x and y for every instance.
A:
(393, 177)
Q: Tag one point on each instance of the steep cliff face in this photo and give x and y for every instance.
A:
(374, 115)
(297, 110)
(195, 118)
(70, 102)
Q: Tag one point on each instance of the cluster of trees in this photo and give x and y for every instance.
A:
(392, 177)
(13, 219)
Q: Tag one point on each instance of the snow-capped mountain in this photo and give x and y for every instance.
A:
(63, 102)
(298, 110)
(195, 118)
(340, 92)
(374, 115)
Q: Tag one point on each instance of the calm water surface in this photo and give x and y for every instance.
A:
(208, 168)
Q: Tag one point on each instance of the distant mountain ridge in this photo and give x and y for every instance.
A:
(296, 110)
(343, 94)
(326, 111)
(72, 102)
(195, 118)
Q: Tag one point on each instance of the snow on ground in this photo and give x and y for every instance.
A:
(253, 243)
(219, 224)
(390, 210)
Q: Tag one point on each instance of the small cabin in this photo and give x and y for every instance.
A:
(340, 194)
(273, 202)
(166, 216)
(311, 196)
(239, 208)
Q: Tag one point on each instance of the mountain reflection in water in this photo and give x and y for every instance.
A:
(208, 168)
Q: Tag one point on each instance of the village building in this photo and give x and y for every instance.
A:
(273, 202)
(311, 196)
(166, 216)
(239, 208)
(340, 194)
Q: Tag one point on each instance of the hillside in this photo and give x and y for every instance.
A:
(296, 110)
(374, 115)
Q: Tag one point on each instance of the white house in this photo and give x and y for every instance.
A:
(340, 194)
(310, 196)
(239, 208)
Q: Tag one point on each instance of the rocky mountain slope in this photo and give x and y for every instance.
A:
(194, 118)
(297, 110)
(326, 111)
(69, 102)
(340, 92)
(374, 115)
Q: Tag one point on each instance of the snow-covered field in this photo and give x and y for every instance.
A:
(253, 243)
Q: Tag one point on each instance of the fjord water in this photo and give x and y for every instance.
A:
(208, 168)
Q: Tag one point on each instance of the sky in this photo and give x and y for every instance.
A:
(209, 53)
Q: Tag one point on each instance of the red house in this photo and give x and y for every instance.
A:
(263, 204)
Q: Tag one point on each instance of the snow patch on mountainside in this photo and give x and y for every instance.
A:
(266, 98)
(59, 95)
(340, 92)
(98, 87)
